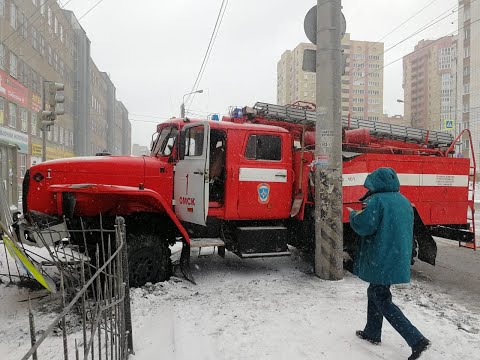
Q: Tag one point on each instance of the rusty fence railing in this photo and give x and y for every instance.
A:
(94, 320)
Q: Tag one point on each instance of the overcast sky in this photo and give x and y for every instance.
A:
(153, 49)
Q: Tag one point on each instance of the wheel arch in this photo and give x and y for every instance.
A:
(79, 200)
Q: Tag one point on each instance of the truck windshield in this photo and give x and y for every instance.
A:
(165, 141)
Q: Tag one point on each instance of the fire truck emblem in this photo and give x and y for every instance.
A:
(263, 193)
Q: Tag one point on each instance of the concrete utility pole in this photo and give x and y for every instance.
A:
(328, 150)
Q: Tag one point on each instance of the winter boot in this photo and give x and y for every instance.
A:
(419, 348)
(362, 336)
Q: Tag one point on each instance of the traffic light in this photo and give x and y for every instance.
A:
(53, 99)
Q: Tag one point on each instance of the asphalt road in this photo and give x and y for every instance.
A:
(456, 273)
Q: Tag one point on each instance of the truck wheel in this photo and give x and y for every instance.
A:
(148, 259)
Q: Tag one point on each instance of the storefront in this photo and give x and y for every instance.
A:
(13, 162)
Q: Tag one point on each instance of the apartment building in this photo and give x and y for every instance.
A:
(40, 42)
(429, 83)
(362, 84)
(468, 74)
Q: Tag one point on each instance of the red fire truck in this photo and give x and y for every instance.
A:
(245, 184)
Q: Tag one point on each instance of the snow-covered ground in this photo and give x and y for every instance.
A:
(261, 309)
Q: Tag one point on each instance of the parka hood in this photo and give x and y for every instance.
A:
(382, 180)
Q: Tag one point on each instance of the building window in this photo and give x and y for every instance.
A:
(35, 82)
(466, 107)
(466, 70)
(34, 124)
(2, 56)
(23, 24)
(50, 55)
(42, 45)
(466, 33)
(50, 17)
(34, 38)
(61, 33)
(13, 64)
(23, 165)
(2, 111)
(2, 7)
(445, 58)
(13, 15)
(466, 12)
(466, 52)
(23, 70)
(466, 89)
(55, 25)
(12, 119)
(24, 119)
(42, 7)
(61, 135)
(55, 133)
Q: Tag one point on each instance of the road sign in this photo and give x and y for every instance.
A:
(449, 125)
(310, 25)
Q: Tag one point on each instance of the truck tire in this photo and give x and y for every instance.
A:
(148, 259)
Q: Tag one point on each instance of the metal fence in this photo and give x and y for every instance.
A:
(95, 319)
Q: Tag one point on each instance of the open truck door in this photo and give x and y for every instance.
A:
(191, 190)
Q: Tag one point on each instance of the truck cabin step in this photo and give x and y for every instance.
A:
(206, 242)
(264, 255)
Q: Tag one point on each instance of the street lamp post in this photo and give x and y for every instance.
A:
(182, 107)
(405, 104)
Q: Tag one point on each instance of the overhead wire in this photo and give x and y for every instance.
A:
(215, 38)
(423, 28)
(211, 43)
(420, 48)
(398, 27)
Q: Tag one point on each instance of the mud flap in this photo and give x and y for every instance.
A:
(185, 262)
(427, 247)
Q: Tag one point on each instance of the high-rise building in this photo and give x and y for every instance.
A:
(39, 43)
(362, 84)
(429, 84)
(468, 73)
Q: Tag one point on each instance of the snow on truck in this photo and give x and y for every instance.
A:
(245, 184)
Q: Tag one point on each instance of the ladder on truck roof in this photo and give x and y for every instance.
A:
(301, 116)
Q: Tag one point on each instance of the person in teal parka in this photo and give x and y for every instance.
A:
(385, 228)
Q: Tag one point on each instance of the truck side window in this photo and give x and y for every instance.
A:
(264, 147)
(194, 141)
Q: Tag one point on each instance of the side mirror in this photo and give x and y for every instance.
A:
(181, 146)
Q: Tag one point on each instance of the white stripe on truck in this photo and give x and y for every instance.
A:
(263, 175)
(358, 179)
